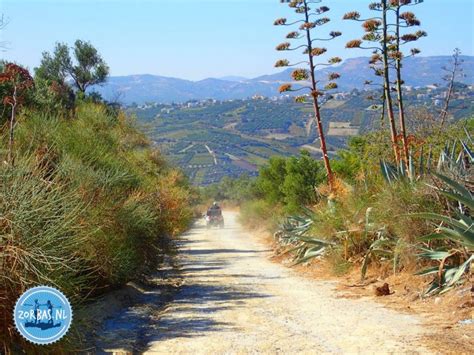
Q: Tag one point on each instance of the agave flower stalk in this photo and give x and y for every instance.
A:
(403, 20)
(377, 35)
(309, 22)
(453, 73)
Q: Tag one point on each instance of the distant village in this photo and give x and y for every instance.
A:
(428, 95)
(210, 139)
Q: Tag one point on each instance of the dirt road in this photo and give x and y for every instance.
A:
(234, 300)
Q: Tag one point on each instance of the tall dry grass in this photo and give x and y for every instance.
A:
(88, 206)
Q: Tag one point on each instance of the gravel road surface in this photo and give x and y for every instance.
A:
(234, 300)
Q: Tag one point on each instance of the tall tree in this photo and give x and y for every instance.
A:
(403, 20)
(310, 20)
(55, 67)
(90, 69)
(377, 39)
(386, 39)
(17, 81)
(87, 69)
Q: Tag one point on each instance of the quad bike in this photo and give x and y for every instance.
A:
(214, 221)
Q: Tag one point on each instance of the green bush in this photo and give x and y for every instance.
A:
(366, 219)
(290, 182)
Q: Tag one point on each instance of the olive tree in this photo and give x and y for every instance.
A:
(84, 69)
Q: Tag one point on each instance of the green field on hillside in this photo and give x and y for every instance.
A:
(244, 134)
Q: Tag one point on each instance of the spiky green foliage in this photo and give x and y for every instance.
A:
(295, 234)
(454, 237)
(366, 220)
(455, 159)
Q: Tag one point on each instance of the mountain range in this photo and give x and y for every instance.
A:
(418, 71)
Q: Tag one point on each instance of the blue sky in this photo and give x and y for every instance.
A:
(195, 39)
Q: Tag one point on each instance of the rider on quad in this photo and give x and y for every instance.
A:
(214, 216)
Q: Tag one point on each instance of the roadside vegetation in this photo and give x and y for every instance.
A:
(86, 203)
(401, 197)
(378, 215)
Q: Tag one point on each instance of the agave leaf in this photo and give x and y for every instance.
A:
(459, 235)
(385, 171)
(459, 160)
(310, 255)
(400, 168)
(433, 289)
(466, 200)
(308, 212)
(468, 135)
(453, 151)
(427, 271)
(411, 168)
(440, 160)
(312, 240)
(468, 152)
(461, 270)
(432, 236)
(436, 286)
(434, 254)
(467, 220)
(455, 185)
(445, 289)
(439, 217)
(292, 250)
(432, 270)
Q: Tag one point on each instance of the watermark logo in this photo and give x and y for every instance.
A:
(42, 315)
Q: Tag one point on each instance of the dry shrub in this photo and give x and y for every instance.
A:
(89, 206)
(41, 241)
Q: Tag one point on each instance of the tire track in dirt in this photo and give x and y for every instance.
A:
(234, 300)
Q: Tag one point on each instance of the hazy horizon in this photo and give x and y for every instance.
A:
(230, 75)
(195, 40)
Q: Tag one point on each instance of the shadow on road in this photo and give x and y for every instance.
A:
(193, 310)
(221, 251)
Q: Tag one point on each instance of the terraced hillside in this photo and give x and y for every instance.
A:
(211, 139)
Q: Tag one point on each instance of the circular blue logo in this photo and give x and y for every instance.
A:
(42, 315)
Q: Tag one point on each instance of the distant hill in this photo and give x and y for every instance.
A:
(233, 78)
(244, 134)
(419, 71)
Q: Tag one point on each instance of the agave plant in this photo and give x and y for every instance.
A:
(294, 234)
(383, 246)
(455, 159)
(393, 173)
(457, 164)
(457, 231)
